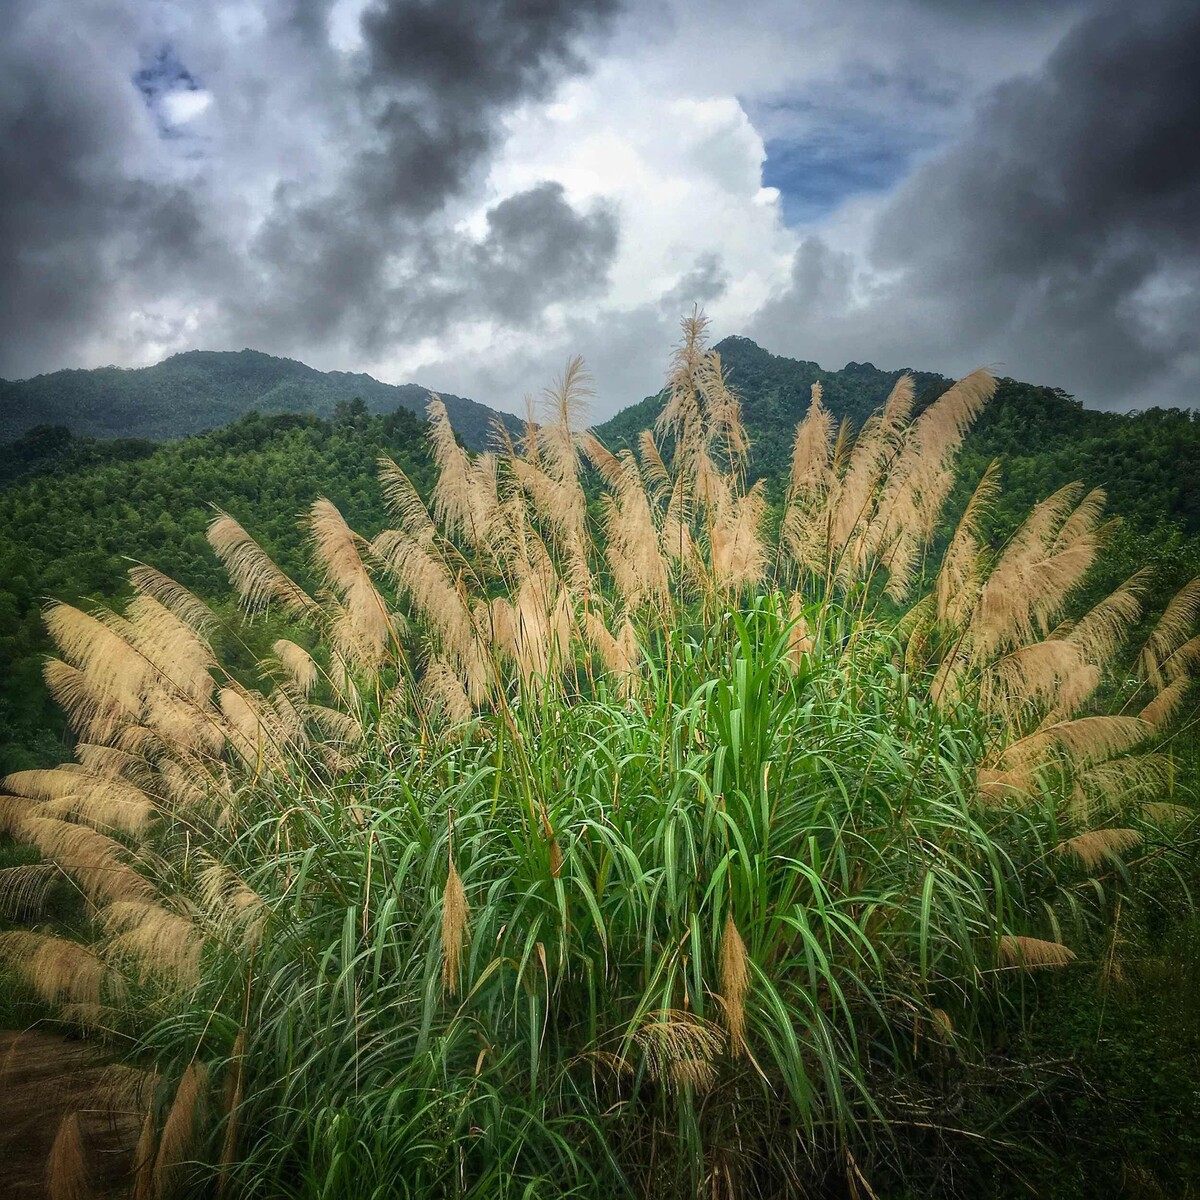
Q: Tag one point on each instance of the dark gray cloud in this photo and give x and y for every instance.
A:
(72, 217)
(537, 248)
(435, 75)
(363, 257)
(329, 202)
(331, 280)
(113, 214)
(1058, 238)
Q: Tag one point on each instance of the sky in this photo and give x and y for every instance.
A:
(464, 193)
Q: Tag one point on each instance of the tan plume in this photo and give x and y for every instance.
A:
(464, 496)
(565, 403)
(563, 507)
(103, 648)
(161, 943)
(67, 1176)
(653, 466)
(1167, 703)
(1032, 953)
(1166, 814)
(253, 572)
(456, 914)
(1102, 631)
(620, 652)
(404, 502)
(179, 1132)
(1044, 562)
(57, 969)
(678, 1049)
(735, 982)
(441, 600)
(1095, 845)
(805, 529)
(739, 556)
(336, 548)
(800, 642)
(631, 536)
(959, 576)
(1112, 785)
(297, 664)
(229, 901)
(184, 604)
(96, 862)
(1083, 739)
(1047, 675)
(26, 889)
(444, 689)
(143, 1161)
(1171, 632)
(101, 801)
(93, 715)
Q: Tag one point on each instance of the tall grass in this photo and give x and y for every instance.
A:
(648, 854)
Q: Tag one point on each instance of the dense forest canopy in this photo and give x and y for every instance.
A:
(71, 533)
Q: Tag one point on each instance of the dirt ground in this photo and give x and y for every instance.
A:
(44, 1077)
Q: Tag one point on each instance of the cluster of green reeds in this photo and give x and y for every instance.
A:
(644, 854)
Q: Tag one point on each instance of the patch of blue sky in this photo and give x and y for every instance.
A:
(820, 167)
(859, 133)
(163, 80)
(164, 73)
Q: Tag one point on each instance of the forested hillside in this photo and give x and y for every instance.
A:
(201, 389)
(1148, 462)
(76, 508)
(72, 534)
(833, 839)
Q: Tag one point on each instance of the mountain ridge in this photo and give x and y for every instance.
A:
(198, 390)
(1147, 459)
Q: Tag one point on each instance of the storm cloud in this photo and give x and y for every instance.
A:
(73, 219)
(107, 204)
(1057, 238)
(463, 193)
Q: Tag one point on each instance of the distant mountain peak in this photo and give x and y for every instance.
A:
(196, 390)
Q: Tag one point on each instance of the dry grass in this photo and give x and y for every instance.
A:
(1033, 954)
(59, 1124)
(177, 1140)
(1094, 846)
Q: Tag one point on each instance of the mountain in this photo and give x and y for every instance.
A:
(775, 393)
(1148, 461)
(205, 389)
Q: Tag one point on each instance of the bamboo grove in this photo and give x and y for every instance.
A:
(601, 825)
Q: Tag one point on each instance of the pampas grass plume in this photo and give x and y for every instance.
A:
(66, 1168)
(735, 982)
(455, 914)
(179, 1131)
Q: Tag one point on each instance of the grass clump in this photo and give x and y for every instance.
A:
(621, 845)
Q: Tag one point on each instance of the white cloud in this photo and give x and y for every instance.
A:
(660, 128)
(183, 106)
(685, 174)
